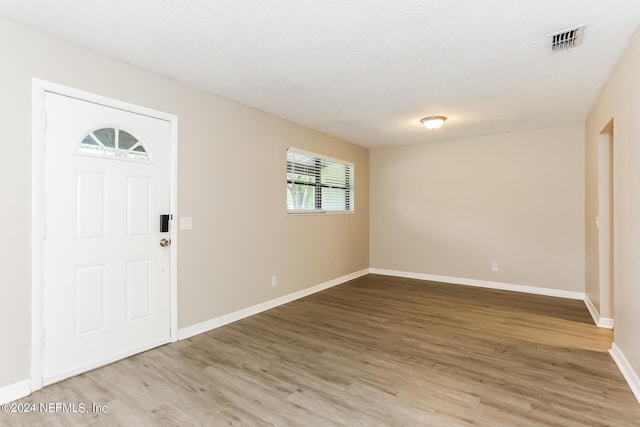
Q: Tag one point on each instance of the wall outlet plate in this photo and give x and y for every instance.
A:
(186, 223)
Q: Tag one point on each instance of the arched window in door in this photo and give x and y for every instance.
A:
(114, 142)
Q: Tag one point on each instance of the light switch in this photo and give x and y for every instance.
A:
(186, 223)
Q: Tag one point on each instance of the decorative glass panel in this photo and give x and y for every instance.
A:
(89, 141)
(89, 145)
(113, 142)
(107, 136)
(126, 140)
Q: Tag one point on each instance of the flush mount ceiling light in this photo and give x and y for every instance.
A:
(433, 122)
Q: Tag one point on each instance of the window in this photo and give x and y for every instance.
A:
(113, 142)
(317, 184)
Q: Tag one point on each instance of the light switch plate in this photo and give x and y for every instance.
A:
(186, 223)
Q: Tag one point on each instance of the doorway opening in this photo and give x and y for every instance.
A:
(605, 224)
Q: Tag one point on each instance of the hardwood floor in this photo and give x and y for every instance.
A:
(376, 351)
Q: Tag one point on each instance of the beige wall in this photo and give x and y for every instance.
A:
(620, 101)
(452, 208)
(232, 163)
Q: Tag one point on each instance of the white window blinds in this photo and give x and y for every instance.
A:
(316, 184)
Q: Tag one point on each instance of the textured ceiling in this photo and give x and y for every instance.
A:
(363, 70)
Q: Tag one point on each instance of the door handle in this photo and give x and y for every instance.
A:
(165, 242)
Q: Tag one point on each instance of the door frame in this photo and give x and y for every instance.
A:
(606, 224)
(38, 124)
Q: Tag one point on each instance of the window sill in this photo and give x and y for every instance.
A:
(318, 212)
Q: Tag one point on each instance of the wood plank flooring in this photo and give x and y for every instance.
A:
(376, 351)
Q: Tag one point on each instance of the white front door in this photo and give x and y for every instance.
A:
(107, 280)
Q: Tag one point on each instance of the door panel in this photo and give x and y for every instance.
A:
(138, 206)
(138, 289)
(90, 205)
(106, 278)
(88, 299)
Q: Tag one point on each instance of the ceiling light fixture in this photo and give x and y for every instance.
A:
(433, 122)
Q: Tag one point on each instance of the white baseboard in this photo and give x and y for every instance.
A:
(601, 322)
(627, 371)
(217, 322)
(482, 284)
(15, 391)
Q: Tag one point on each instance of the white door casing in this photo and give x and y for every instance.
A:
(107, 287)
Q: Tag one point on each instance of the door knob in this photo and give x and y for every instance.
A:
(165, 242)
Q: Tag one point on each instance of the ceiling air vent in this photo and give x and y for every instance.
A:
(567, 39)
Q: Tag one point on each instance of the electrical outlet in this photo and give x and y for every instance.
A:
(274, 280)
(495, 266)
